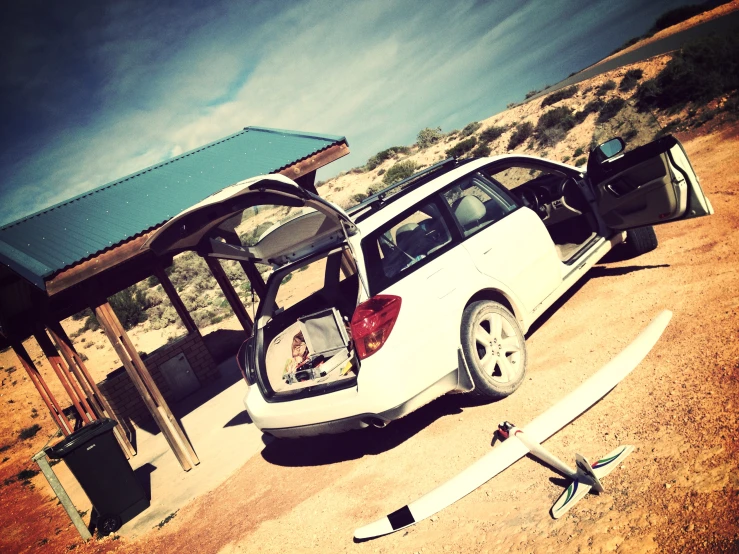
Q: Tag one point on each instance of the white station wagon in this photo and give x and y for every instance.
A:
(429, 286)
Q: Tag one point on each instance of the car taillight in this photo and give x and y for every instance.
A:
(372, 322)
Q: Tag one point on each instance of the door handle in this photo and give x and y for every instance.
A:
(613, 190)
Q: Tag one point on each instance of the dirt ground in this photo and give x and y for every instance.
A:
(678, 492)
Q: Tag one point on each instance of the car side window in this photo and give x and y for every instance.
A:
(476, 203)
(406, 242)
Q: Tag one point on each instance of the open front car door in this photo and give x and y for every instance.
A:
(652, 184)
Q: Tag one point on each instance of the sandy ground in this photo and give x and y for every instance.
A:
(679, 492)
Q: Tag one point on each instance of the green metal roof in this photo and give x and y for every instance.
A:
(41, 244)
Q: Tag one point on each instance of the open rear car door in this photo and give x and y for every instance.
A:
(652, 184)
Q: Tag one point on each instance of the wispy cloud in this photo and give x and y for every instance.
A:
(99, 92)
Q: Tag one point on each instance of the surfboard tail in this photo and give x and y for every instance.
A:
(588, 477)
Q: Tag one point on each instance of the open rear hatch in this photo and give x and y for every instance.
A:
(198, 227)
(301, 343)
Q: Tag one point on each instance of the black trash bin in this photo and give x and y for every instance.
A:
(96, 460)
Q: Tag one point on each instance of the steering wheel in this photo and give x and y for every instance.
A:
(529, 199)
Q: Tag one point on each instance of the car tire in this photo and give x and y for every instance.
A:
(494, 348)
(640, 241)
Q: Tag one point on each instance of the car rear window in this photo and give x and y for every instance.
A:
(405, 243)
(476, 203)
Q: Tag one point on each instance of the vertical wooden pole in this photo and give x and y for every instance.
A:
(228, 291)
(171, 292)
(250, 269)
(151, 385)
(61, 372)
(118, 337)
(98, 401)
(37, 379)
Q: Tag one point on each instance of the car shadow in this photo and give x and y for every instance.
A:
(352, 445)
(596, 272)
(601, 271)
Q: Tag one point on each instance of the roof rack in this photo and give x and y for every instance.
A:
(397, 190)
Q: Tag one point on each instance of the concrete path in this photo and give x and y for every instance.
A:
(222, 435)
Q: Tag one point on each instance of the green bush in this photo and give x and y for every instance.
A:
(594, 106)
(129, 305)
(630, 79)
(610, 109)
(553, 125)
(648, 95)
(87, 312)
(461, 148)
(251, 238)
(531, 93)
(561, 94)
(520, 134)
(152, 281)
(29, 432)
(482, 151)
(677, 15)
(91, 323)
(581, 161)
(605, 87)
(26, 474)
(492, 133)
(386, 154)
(701, 71)
(471, 128)
(399, 172)
(429, 136)
(359, 197)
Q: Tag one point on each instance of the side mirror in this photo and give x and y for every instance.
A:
(609, 149)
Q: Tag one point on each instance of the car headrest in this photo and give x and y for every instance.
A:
(406, 235)
(469, 210)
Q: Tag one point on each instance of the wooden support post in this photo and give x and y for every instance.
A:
(37, 379)
(228, 291)
(171, 292)
(250, 269)
(152, 386)
(83, 408)
(146, 387)
(97, 400)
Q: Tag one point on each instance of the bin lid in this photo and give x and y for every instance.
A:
(81, 437)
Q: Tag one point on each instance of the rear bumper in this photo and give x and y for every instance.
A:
(366, 419)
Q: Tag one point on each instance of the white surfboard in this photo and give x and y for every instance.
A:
(508, 452)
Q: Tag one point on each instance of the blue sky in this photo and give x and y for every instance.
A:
(91, 91)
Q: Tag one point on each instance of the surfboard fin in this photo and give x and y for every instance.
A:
(588, 477)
